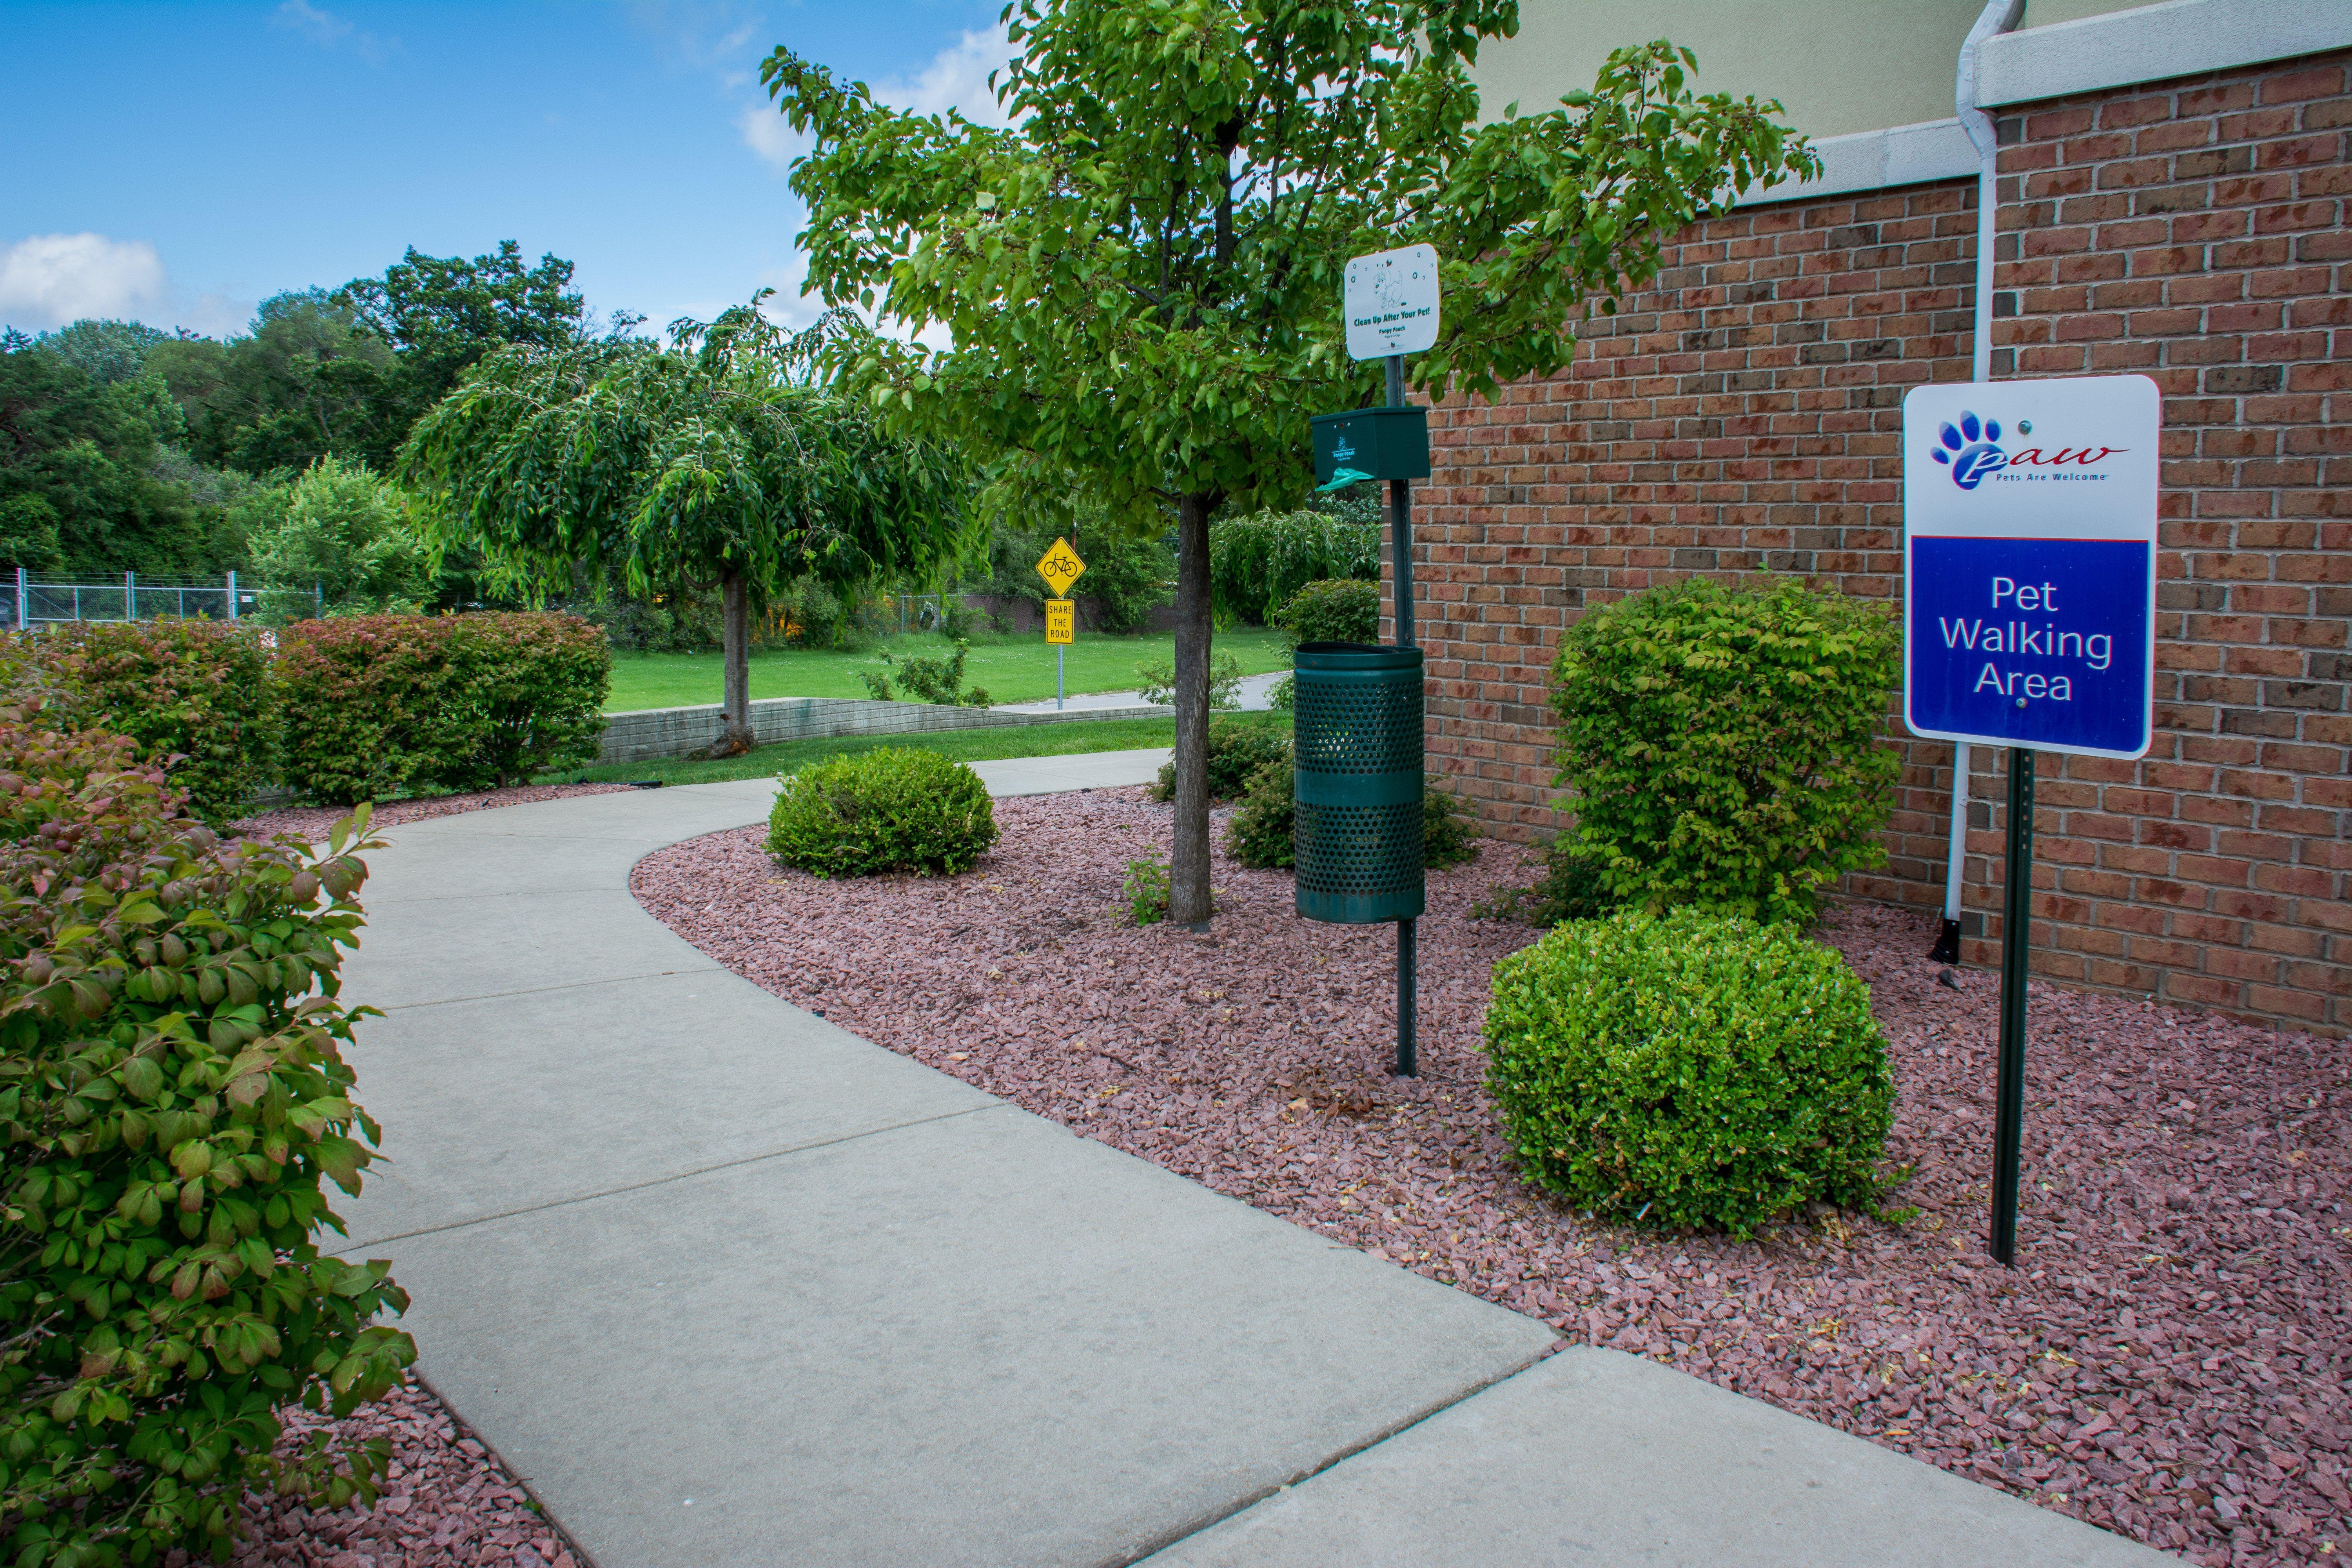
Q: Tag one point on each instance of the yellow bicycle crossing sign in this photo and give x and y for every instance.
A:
(1060, 568)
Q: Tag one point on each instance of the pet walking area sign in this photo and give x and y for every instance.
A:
(2029, 563)
(2029, 621)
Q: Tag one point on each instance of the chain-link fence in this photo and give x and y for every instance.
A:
(26, 601)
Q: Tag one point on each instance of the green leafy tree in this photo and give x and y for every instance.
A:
(106, 349)
(714, 463)
(309, 381)
(1141, 278)
(341, 539)
(79, 487)
(442, 314)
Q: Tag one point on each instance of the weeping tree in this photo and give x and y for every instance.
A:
(1140, 279)
(716, 462)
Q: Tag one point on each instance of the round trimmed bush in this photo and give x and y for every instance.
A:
(1335, 609)
(1689, 1069)
(896, 809)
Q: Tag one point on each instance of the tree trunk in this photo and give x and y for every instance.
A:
(1188, 870)
(735, 595)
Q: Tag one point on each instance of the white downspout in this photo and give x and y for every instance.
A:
(1999, 17)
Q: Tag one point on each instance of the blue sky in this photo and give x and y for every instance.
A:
(178, 163)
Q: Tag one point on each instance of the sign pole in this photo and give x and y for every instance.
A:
(1408, 1044)
(2016, 927)
(1059, 653)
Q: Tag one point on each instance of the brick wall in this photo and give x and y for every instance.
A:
(1743, 416)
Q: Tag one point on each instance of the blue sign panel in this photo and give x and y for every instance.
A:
(2030, 536)
(2032, 642)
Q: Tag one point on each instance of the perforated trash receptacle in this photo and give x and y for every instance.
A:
(1357, 799)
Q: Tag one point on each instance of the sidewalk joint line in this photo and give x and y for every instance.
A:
(994, 1104)
(568, 985)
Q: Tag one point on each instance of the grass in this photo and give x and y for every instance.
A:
(1010, 668)
(964, 745)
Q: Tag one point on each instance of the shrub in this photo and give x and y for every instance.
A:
(1569, 889)
(1720, 743)
(1449, 832)
(172, 1093)
(896, 809)
(1257, 562)
(1236, 750)
(1261, 830)
(194, 695)
(1226, 677)
(1690, 1069)
(386, 705)
(1145, 889)
(926, 678)
(1338, 609)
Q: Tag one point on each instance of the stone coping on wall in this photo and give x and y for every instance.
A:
(647, 734)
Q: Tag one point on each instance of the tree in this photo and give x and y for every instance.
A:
(713, 462)
(107, 348)
(442, 314)
(339, 539)
(79, 487)
(312, 380)
(1141, 278)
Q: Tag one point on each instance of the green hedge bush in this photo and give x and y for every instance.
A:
(1336, 609)
(1690, 1069)
(193, 695)
(1236, 752)
(1721, 743)
(896, 809)
(384, 705)
(1569, 889)
(1257, 562)
(1260, 834)
(173, 1091)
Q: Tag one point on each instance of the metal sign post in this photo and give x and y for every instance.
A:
(1060, 566)
(1389, 304)
(2029, 622)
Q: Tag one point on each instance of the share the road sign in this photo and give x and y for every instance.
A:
(1061, 620)
(2029, 584)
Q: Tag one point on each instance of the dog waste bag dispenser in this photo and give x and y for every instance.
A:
(1358, 802)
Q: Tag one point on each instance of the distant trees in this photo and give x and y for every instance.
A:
(80, 489)
(126, 448)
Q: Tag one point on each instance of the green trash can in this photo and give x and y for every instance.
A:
(1358, 770)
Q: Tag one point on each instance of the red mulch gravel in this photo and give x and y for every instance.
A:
(2167, 1361)
(313, 823)
(446, 1501)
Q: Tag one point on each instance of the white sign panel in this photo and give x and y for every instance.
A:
(1390, 303)
(2030, 550)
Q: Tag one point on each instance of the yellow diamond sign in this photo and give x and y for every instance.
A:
(1060, 568)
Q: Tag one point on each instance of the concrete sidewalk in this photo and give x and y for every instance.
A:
(728, 1285)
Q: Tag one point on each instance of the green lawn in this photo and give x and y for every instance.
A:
(964, 745)
(1010, 668)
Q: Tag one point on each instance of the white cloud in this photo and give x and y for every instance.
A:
(956, 79)
(328, 31)
(48, 280)
(770, 135)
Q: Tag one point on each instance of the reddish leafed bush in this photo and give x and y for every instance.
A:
(193, 695)
(378, 706)
(172, 1098)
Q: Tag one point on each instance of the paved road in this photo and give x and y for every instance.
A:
(728, 1285)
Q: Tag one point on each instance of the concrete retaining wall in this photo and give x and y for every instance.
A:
(650, 733)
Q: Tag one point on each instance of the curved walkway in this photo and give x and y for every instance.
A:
(727, 1286)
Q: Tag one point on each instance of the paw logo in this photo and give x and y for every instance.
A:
(1969, 450)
